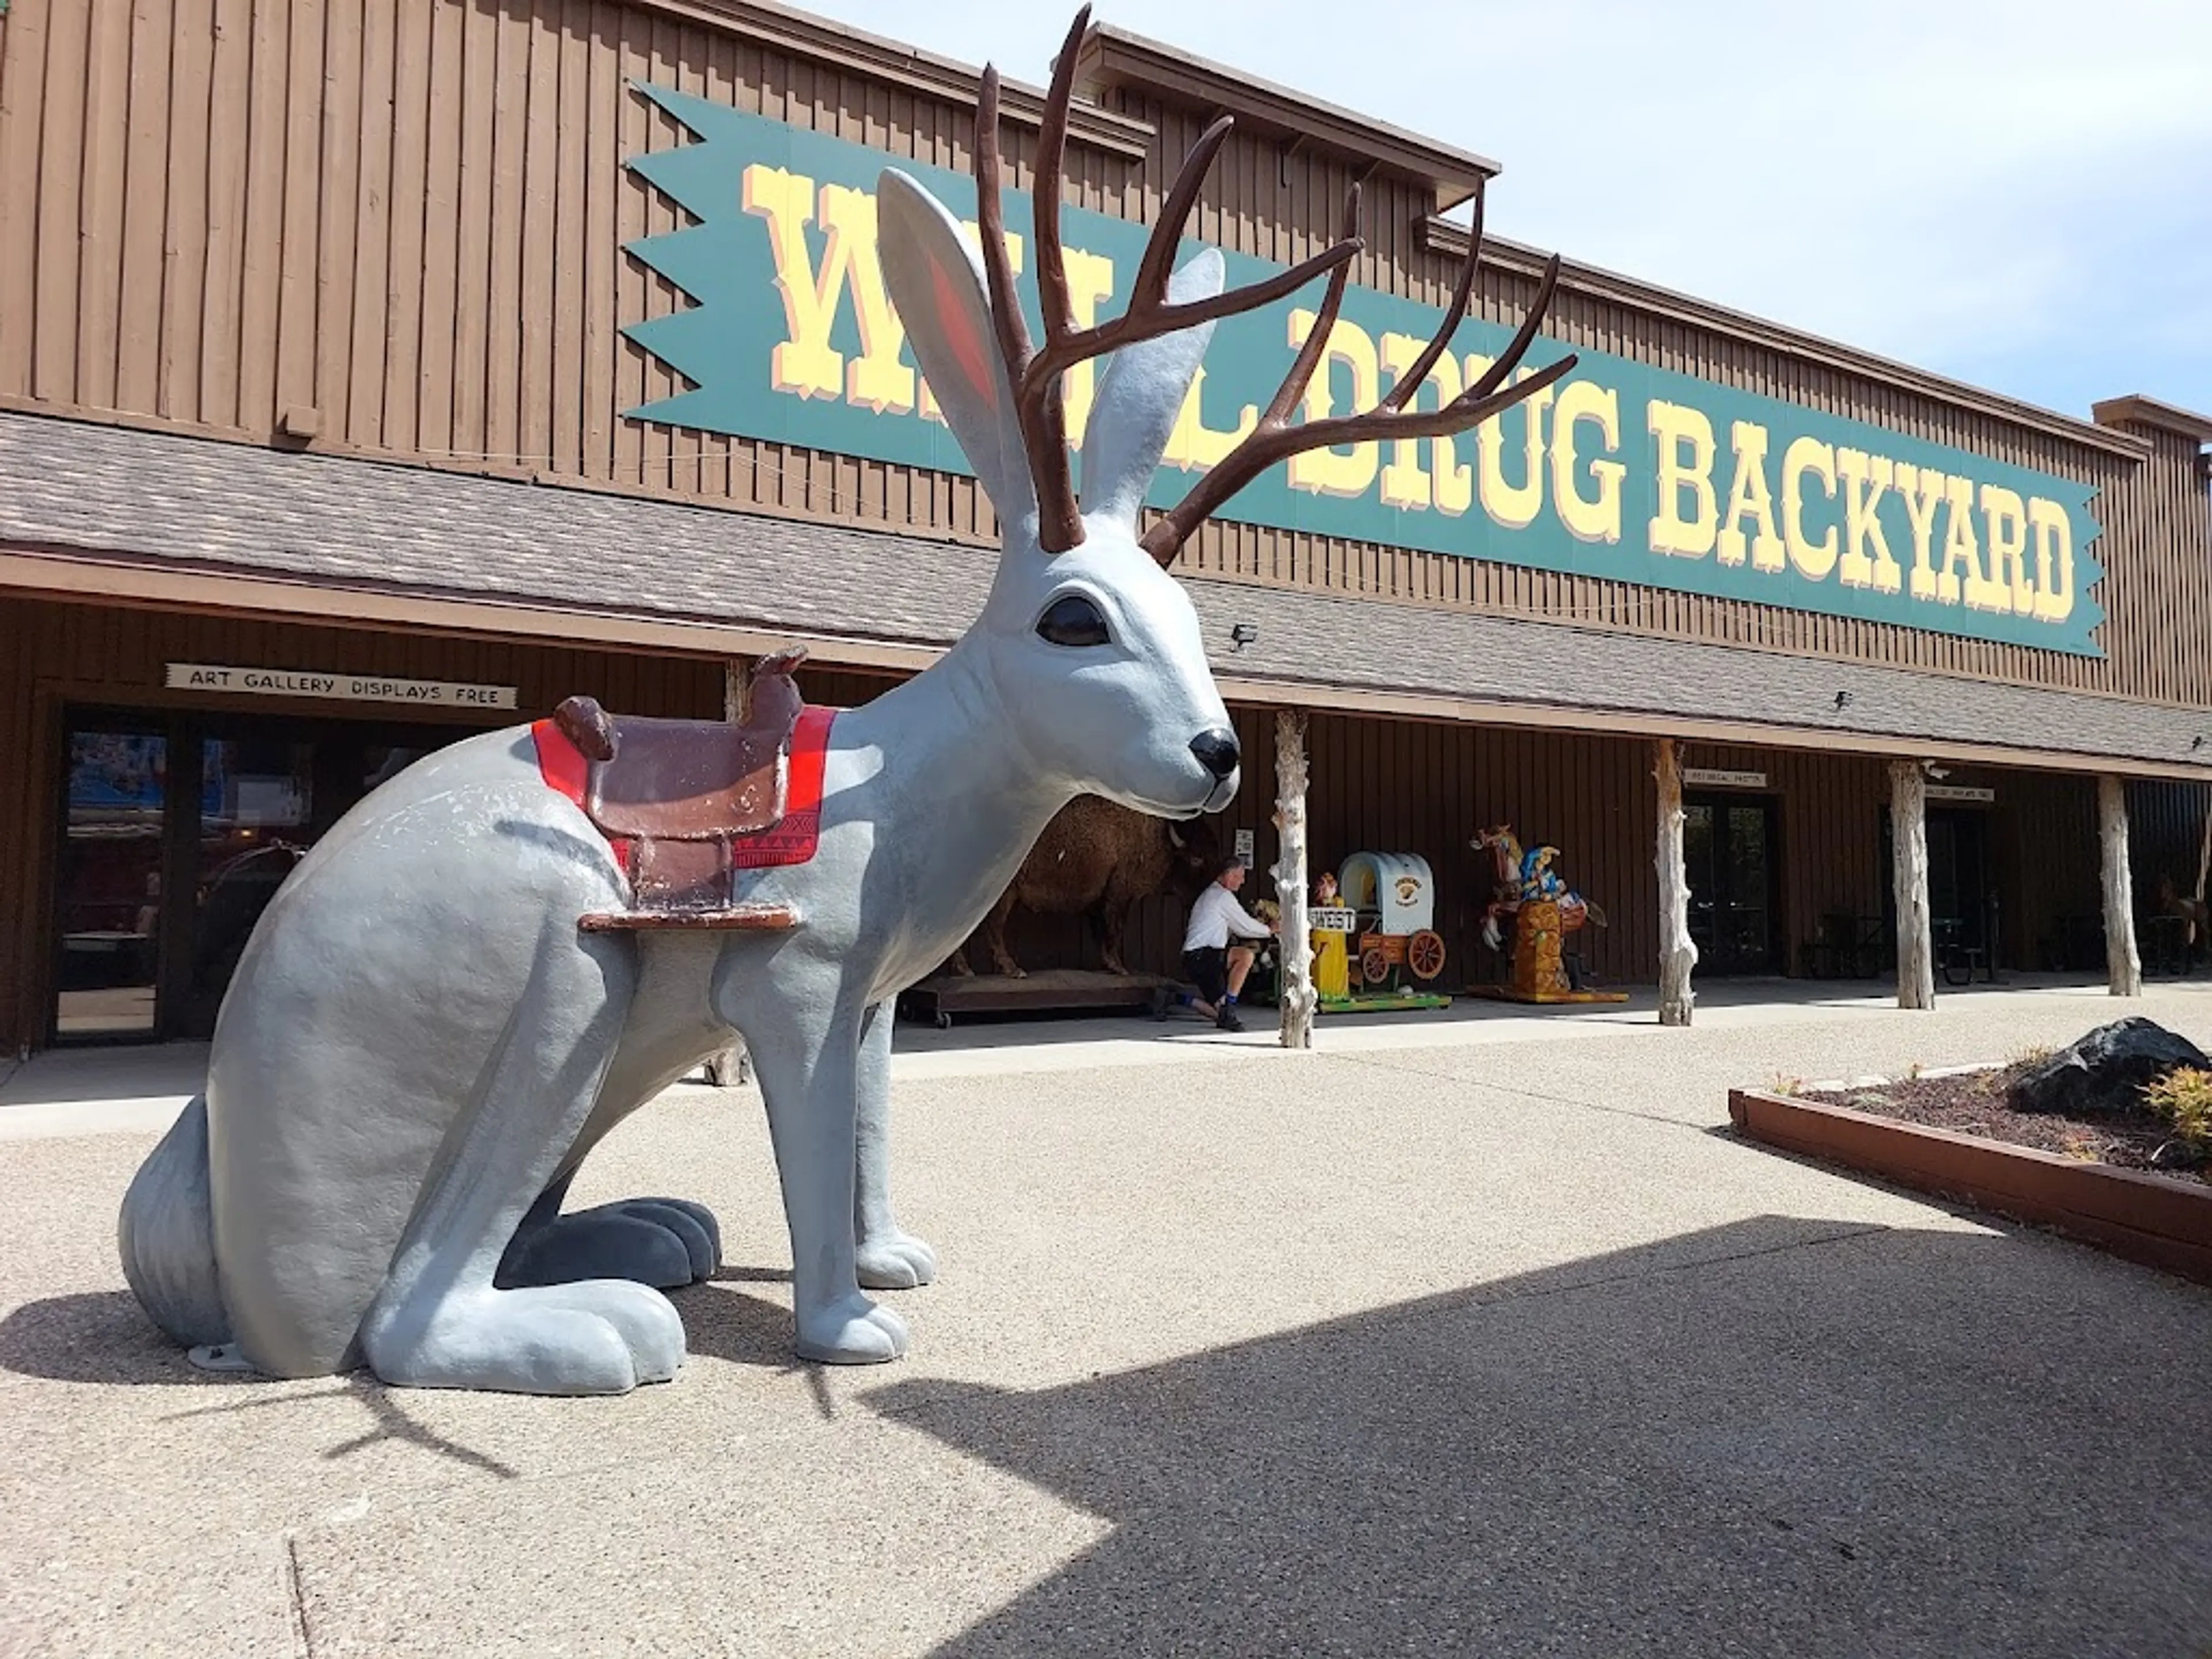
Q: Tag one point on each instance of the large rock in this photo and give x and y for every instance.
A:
(2106, 1070)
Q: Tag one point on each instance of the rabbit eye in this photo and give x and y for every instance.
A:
(1072, 620)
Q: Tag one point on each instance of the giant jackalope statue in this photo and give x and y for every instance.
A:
(506, 950)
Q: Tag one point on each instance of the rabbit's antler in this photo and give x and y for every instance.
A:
(1035, 375)
(1274, 439)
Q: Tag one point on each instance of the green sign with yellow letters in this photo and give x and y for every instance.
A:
(1622, 471)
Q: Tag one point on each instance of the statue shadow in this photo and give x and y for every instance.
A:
(105, 1337)
(722, 1322)
(99, 1336)
(1779, 1435)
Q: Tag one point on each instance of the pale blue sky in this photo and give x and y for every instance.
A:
(2018, 194)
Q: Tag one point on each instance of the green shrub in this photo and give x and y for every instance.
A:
(2184, 1099)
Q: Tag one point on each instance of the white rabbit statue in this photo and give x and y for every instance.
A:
(471, 979)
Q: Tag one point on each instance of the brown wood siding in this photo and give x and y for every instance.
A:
(1427, 787)
(54, 654)
(2165, 838)
(408, 220)
(2043, 851)
(1385, 785)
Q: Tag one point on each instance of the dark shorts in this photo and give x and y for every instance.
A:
(1208, 970)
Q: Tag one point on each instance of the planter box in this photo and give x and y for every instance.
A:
(2158, 1222)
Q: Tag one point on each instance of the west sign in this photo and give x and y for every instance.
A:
(1622, 471)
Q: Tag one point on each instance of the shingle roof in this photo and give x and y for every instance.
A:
(239, 507)
(181, 501)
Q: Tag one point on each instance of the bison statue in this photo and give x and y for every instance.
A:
(1095, 858)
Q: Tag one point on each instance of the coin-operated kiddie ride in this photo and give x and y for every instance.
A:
(1375, 941)
(1532, 906)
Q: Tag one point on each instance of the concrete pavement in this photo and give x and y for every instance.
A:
(1467, 1335)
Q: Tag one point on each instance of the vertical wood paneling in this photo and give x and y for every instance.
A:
(479, 71)
(571, 183)
(632, 202)
(541, 202)
(146, 182)
(190, 214)
(22, 98)
(99, 209)
(603, 189)
(416, 206)
(59, 178)
(264, 149)
(356, 362)
(303, 185)
(410, 218)
(432, 387)
(2166, 836)
(507, 187)
(219, 392)
(346, 214)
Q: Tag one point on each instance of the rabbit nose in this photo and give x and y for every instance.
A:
(1216, 751)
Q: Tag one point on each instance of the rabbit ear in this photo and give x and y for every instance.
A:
(1140, 392)
(936, 281)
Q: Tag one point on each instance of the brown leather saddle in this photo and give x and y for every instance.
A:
(684, 793)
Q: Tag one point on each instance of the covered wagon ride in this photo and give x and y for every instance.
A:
(1388, 904)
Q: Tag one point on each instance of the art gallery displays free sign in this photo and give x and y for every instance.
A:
(331, 686)
(1622, 471)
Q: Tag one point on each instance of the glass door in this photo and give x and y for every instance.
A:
(1958, 878)
(177, 832)
(1728, 850)
(271, 788)
(109, 898)
(258, 798)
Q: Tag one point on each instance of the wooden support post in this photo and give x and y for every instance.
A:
(1915, 944)
(1293, 944)
(732, 1066)
(1678, 952)
(2122, 965)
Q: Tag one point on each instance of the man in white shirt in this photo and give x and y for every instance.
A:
(1209, 959)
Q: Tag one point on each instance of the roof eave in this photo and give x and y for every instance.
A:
(2137, 410)
(1109, 58)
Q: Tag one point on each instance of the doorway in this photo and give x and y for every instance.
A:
(1962, 898)
(1959, 892)
(1731, 856)
(176, 830)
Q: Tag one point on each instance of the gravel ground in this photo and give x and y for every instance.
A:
(1976, 1103)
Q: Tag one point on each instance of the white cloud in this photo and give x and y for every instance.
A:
(2014, 192)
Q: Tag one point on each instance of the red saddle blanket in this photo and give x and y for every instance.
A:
(791, 841)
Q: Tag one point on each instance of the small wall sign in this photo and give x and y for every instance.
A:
(1707, 777)
(1970, 794)
(1244, 848)
(333, 686)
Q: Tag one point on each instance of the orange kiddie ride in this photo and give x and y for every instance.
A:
(1532, 900)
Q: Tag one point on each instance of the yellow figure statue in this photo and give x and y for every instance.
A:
(1332, 948)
